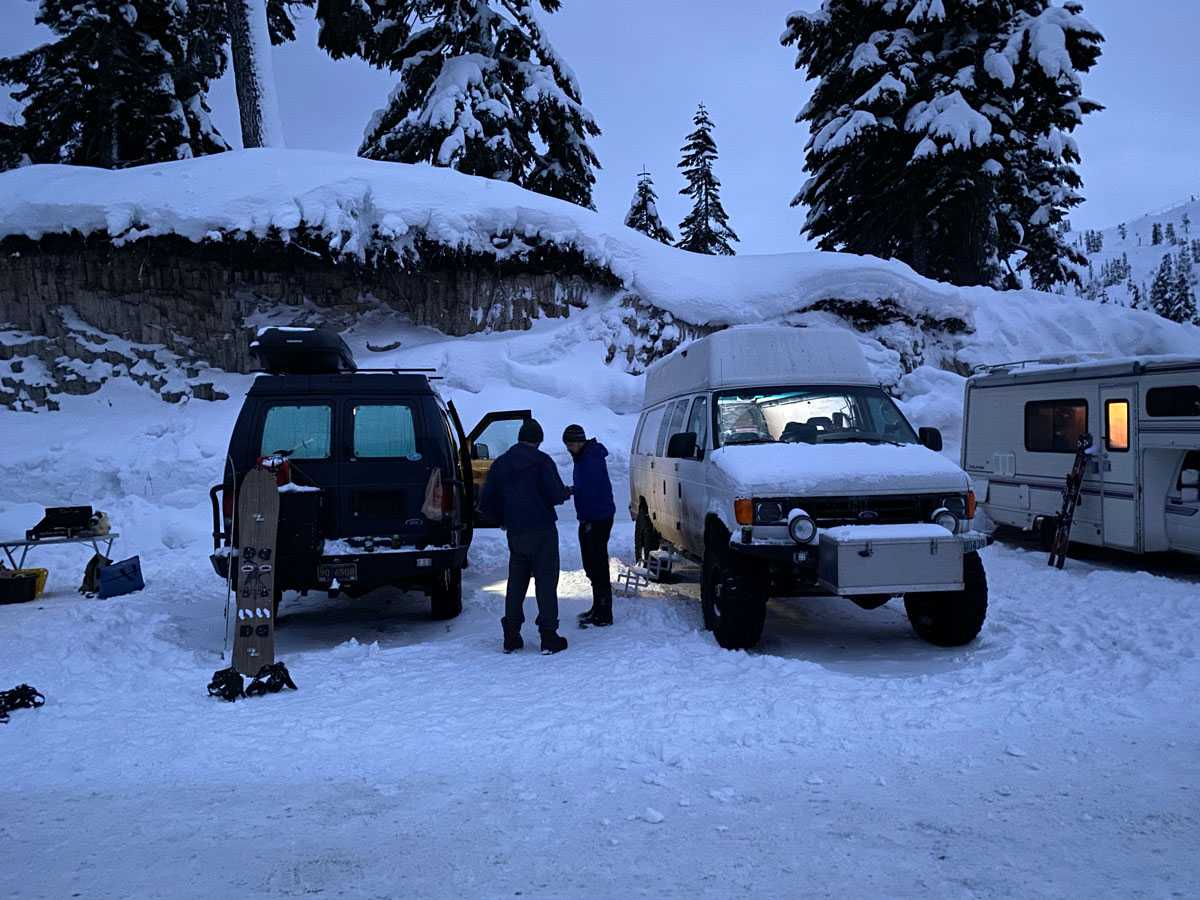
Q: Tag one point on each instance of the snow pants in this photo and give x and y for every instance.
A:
(532, 554)
(593, 546)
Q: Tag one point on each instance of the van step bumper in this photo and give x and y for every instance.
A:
(387, 566)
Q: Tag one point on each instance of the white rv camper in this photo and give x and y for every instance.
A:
(1141, 490)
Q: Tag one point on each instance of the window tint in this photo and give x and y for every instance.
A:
(1177, 401)
(671, 425)
(698, 422)
(1055, 426)
(301, 431)
(498, 437)
(649, 434)
(1116, 425)
(385, 432)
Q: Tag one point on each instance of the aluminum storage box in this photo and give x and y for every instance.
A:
(889, 559)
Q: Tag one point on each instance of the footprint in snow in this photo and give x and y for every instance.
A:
(652, 816)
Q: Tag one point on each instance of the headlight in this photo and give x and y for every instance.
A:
(946, 519)
(768, 512)
(801, 526)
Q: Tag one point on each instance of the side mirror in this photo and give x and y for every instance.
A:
(931, 438)
(682, 445)
(480, 451)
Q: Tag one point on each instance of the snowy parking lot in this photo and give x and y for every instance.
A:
(1054, 757)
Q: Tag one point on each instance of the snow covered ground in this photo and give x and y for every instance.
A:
(1054, 757)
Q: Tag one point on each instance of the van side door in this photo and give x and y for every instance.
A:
(692, 478)
(667, 509)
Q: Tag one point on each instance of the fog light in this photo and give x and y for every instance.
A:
(801, 526)
(946, 519)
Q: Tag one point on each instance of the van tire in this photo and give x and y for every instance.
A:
(951, 618)
(445, 597)
(646, 538)
(734, 605)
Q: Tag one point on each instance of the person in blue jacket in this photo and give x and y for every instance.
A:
(520, 493)
(595, 509)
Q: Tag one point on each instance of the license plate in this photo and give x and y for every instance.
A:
(326, 572)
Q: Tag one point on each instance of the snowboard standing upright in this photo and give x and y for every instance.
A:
(258, 525)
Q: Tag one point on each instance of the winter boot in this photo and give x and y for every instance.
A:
(585, 618)
(603, 614)
(552, 642)
(512, 637)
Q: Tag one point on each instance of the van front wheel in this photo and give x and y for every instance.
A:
(951, 618)
(446, 595)
(734, 604)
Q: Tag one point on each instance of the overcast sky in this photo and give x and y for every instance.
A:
(644, 64)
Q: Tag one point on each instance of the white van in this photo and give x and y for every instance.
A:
(773, 457)
(1141, 490)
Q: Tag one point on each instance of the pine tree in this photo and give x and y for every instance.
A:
(481, 90)
(1170, 235)
(1196, 250)
(11, 152)
(1124, 232)
(1156, 234)
(643, 211)
(1135, 295)
(941, 132)
(1162, 289)
(1183, 299)
(706, 228)
(1187, 225)
(125, 82)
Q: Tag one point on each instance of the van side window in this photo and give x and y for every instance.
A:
(698, 422)
(649, 433)
(385, 432)
(301, 431)
(671, 424)
(1055, 426)
(1178, 401)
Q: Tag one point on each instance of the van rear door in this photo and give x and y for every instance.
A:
(492, 436)
(307, 431)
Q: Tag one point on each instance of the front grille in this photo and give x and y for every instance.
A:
(830, 512)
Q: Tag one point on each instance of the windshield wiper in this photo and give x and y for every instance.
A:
(859, 439)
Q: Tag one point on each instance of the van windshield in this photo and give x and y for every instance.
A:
(810, 415)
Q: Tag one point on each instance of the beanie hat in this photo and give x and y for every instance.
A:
(574, 435)
(531, 432)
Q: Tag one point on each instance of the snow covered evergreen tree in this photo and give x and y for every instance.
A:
(481, 90)
(706, 228)
(1156, 234)
(643, 212)
(1183, 296)
(125, 82)
(11, 152)
(1162, 289)
(941, 132)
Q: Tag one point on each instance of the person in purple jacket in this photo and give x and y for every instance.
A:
(595, 509)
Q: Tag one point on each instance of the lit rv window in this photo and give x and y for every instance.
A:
(1116, 425)
(810, 415)
(1055, 426)
(1177, 401)
(300, 431)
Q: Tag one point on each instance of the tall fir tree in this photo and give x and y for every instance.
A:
(706, 228)
(643, 211)
(1156, 234)
(1183, 297)
(480, 90)
(941, 133)
(1162, 289)
(12, 153)
(124, 83)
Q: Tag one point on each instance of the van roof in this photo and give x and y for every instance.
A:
(349, 383)
(759, 356)
(1076, 370)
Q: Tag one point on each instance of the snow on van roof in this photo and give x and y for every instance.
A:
(759, 355)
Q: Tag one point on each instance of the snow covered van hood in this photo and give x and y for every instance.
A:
(821, 470)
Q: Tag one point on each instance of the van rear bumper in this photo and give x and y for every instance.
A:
(376, 569)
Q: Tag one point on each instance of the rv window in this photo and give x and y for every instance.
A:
(300, 431)
(1116, 425)
(698, 422)
(1178, 401)
(671, 424)
(649, 434)
(385, 432)
(1055, 426)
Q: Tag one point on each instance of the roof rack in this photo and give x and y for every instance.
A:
(1059, 360)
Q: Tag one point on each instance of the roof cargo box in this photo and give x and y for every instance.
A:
(302, 351)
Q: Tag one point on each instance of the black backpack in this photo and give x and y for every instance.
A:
(91, 575)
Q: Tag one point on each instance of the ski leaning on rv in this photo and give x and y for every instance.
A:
(771, 456)
(1023, 423)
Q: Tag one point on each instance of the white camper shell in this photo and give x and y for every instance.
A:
(1141, 490)
(773, 456)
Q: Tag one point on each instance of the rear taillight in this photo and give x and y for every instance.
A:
(449, 496)
(434, 507)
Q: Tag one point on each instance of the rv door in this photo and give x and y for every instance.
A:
(1118, 460)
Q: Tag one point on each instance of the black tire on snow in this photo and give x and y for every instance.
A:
(954, 618)
(646, 538)
(445, 598)
(734, 604)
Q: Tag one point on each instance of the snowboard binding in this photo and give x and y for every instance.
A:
(226, 684)
(270, 679)
(21, 697)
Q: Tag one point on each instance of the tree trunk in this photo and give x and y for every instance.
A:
(253, 75)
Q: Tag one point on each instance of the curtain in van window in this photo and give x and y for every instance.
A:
(303, 431)
(385, 432)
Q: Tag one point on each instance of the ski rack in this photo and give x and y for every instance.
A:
(1071, 493)
(413, 371)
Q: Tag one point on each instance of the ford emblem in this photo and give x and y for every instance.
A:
(868, 515)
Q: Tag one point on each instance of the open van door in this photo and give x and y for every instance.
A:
(464, 464)
(491, 436)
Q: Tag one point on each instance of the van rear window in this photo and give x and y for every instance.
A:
(385, 432)
(301, 431)
(1055, 426)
